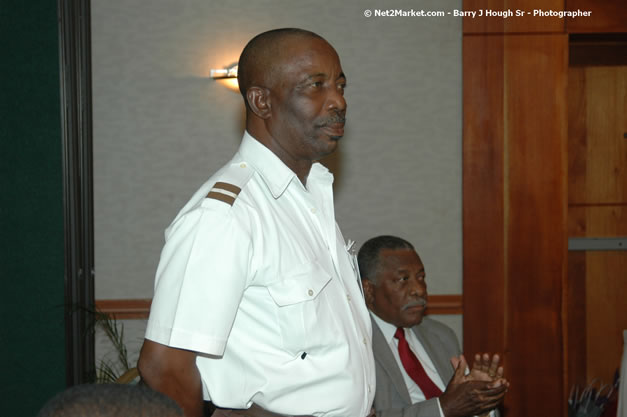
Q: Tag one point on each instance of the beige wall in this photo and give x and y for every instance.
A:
(161, 126)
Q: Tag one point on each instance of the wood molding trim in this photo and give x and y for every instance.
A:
(125, 309)
(138, 309)
(445, 304)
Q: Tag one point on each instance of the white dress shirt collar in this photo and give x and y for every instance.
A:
(386, 328)
(275, 174)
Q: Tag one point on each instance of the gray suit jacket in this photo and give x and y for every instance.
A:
(392, 398)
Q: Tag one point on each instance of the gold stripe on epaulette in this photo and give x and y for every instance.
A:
(222, 191)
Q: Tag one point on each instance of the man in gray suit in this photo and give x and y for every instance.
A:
(420, 371)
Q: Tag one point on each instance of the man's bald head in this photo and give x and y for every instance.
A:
(258, 63)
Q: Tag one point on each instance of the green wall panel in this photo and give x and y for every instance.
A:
(31, 208)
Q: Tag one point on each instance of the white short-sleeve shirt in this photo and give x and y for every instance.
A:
(261, 284)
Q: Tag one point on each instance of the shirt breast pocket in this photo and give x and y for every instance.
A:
(298, 300)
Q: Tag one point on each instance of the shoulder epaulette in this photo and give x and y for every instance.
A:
(230, 183)
(224, 192)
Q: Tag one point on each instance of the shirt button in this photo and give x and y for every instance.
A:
(348, 297)
(313, 210)
(310, 292)
(365, 341)
(242, 165)
(369, 389)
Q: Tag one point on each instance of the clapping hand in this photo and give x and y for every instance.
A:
(475, 392)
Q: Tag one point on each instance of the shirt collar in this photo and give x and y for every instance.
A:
(272, 170)
(386, 328)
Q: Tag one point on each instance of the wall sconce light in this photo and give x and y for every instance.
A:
(227, 76)
(228, 72)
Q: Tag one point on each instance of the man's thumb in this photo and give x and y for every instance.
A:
(454, 361)
(460, 369)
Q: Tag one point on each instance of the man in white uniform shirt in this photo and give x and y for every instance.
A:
(257, 303)
(419, 366)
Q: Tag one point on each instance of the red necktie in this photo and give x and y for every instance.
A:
(414, 367)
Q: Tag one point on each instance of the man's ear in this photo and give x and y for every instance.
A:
(368, 292)
(259, 101)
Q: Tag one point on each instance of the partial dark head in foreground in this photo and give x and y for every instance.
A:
(110, 400)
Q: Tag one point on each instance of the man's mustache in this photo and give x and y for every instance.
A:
(420, 302)
(331, 120)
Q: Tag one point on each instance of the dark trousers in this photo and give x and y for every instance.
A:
(253, 411)
(256, 411)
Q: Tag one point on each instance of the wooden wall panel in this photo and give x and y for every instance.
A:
(606, 312)
(574, 291)
(606, 221)
(518, 129)
(576, 221)
(596, 287)
(595, 296)
(483, 212)
(606, 124)
(575, 338)
(607, 16)
(515, 211)
(577, 140)
(515, 24)
(606, 293)
(536, 118)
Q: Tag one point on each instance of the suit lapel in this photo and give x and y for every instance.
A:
(442, 364)
(383, 355)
